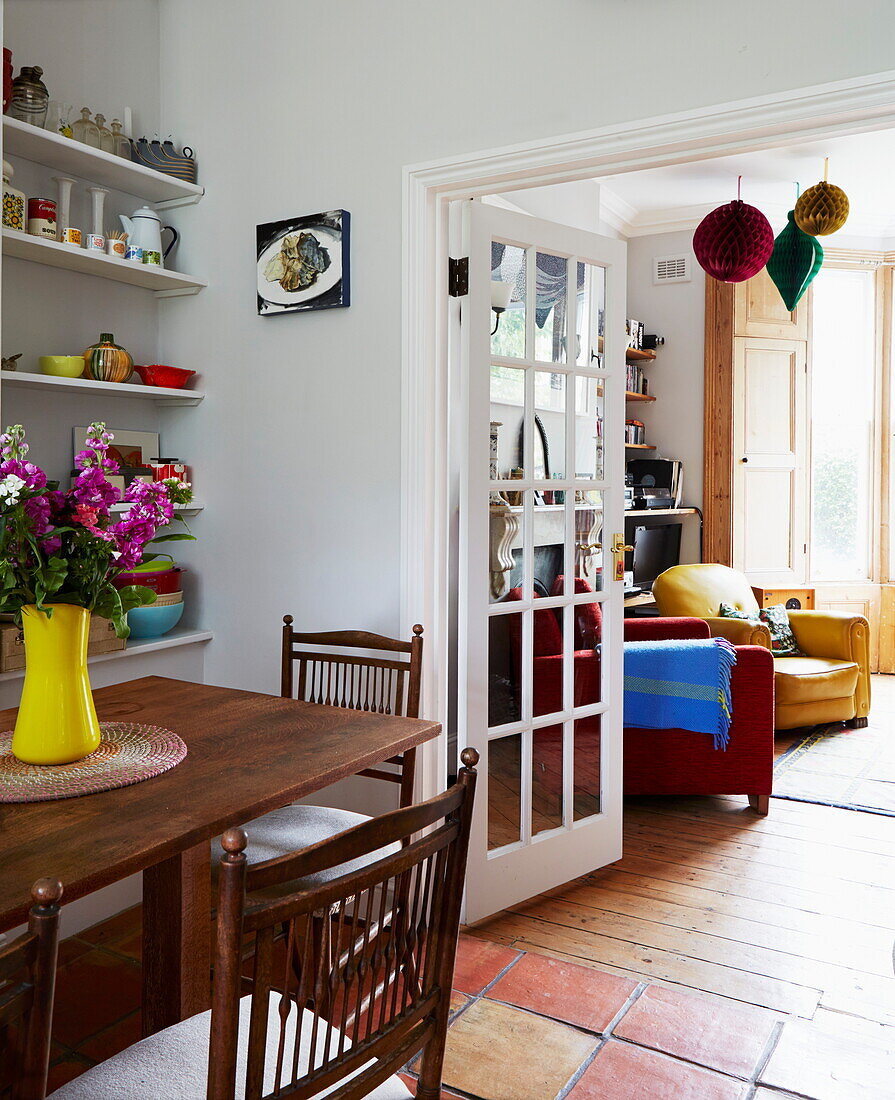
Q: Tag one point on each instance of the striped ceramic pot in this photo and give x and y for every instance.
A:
(106, 361)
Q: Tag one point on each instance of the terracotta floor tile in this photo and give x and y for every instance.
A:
(575, 994)
(767, 1094)
(410, 1083)
(501, 1053)
(479, 962)
(115, 928)
(834, 1057)
(458, 1000)
(65, 1070)
(624, 1072)
(114, 1039)
(93, 992)
(713, 1031)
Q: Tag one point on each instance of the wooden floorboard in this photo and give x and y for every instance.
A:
(792, 911)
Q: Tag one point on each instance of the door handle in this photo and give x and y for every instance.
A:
(744, 459)
(619, 549)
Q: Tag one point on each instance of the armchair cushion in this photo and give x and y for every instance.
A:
(783, 641)
(809, 679)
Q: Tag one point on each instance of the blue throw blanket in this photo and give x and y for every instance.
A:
(681, 684)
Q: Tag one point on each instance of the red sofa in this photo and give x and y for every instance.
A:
(686, 763)
(672, 761)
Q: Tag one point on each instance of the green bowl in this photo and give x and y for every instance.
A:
(63, 366)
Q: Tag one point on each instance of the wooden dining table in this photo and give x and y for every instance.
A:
(246, 754)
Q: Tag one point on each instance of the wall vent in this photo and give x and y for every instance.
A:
(671, 269)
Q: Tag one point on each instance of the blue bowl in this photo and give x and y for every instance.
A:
(152, 622)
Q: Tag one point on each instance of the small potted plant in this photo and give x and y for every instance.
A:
(58, 555)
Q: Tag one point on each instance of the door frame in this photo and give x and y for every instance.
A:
(428, 491)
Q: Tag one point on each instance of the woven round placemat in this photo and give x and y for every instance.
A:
(128, 753)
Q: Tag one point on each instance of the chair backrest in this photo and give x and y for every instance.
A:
(336, 674)
(27, 985)
(701, 589)
(389, 926)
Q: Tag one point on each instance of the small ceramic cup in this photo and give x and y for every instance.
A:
(96, 243)
(71, 235)
(134, 253)
(152, 257)
(115, 247)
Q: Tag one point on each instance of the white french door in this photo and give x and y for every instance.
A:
(541, 501)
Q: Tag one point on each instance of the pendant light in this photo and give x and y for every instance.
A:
(823, 208)
(796, 259)
(734, 242)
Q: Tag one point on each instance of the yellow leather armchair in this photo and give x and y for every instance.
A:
(830, 684)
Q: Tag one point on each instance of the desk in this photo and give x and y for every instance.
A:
(247, 754)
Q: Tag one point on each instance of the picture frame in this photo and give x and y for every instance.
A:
(303, 263)
(128, 448)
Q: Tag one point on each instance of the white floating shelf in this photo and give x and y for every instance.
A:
(181, 509)
(63, 154)
(52, 383)
(176, 637)
(166, 284)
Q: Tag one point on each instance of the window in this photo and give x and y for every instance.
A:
(843, 406)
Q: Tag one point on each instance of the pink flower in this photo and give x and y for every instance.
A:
(37, 509)
(32, 475)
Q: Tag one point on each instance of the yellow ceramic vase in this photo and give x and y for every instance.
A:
(57, 722)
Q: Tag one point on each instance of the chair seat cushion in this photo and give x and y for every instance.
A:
(292, 828)
(809, 679)
(174, 1063)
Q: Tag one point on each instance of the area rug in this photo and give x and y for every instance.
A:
(128, 753)
(837, 766)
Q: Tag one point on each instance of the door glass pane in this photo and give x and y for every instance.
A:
(504, 790)
(549, 456)
(588, 540)
(842, 425)
(505, 526)
(550, 308)
(586, 767)
(547, 662)
(508, 266)
(546, 779)
(589, 428)
(590, 315)
(504, 669)
(507, 407)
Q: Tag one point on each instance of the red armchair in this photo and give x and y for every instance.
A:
(686, 763)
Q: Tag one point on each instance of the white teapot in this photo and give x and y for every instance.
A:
(144, 230)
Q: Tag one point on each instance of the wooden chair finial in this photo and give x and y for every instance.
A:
(234, 841)
(287, 619)
(417, 630)
(46, 892)
(470, 757)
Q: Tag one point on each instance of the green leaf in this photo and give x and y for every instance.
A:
(180, 536)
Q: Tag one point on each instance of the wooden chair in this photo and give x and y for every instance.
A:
(333, 672)
(275, 1041)
(27, 985)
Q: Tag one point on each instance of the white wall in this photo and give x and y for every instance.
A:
(677, 312)
(300, 107)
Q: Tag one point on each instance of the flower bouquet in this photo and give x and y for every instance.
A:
(58, 555)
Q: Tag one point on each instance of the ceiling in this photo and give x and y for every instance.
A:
(666, 199)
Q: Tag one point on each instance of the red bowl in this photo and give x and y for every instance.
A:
(158, 374)
(169, 581)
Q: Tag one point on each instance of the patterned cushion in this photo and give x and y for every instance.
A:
(783, 641)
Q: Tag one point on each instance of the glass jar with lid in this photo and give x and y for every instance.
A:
(122, 143)
(106, 141)
(85, 129)
(30, 97)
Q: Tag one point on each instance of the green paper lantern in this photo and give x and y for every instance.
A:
(795, 261)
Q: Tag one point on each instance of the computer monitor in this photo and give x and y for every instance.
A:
(656, 548)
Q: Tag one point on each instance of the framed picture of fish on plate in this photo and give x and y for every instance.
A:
(303, 263)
